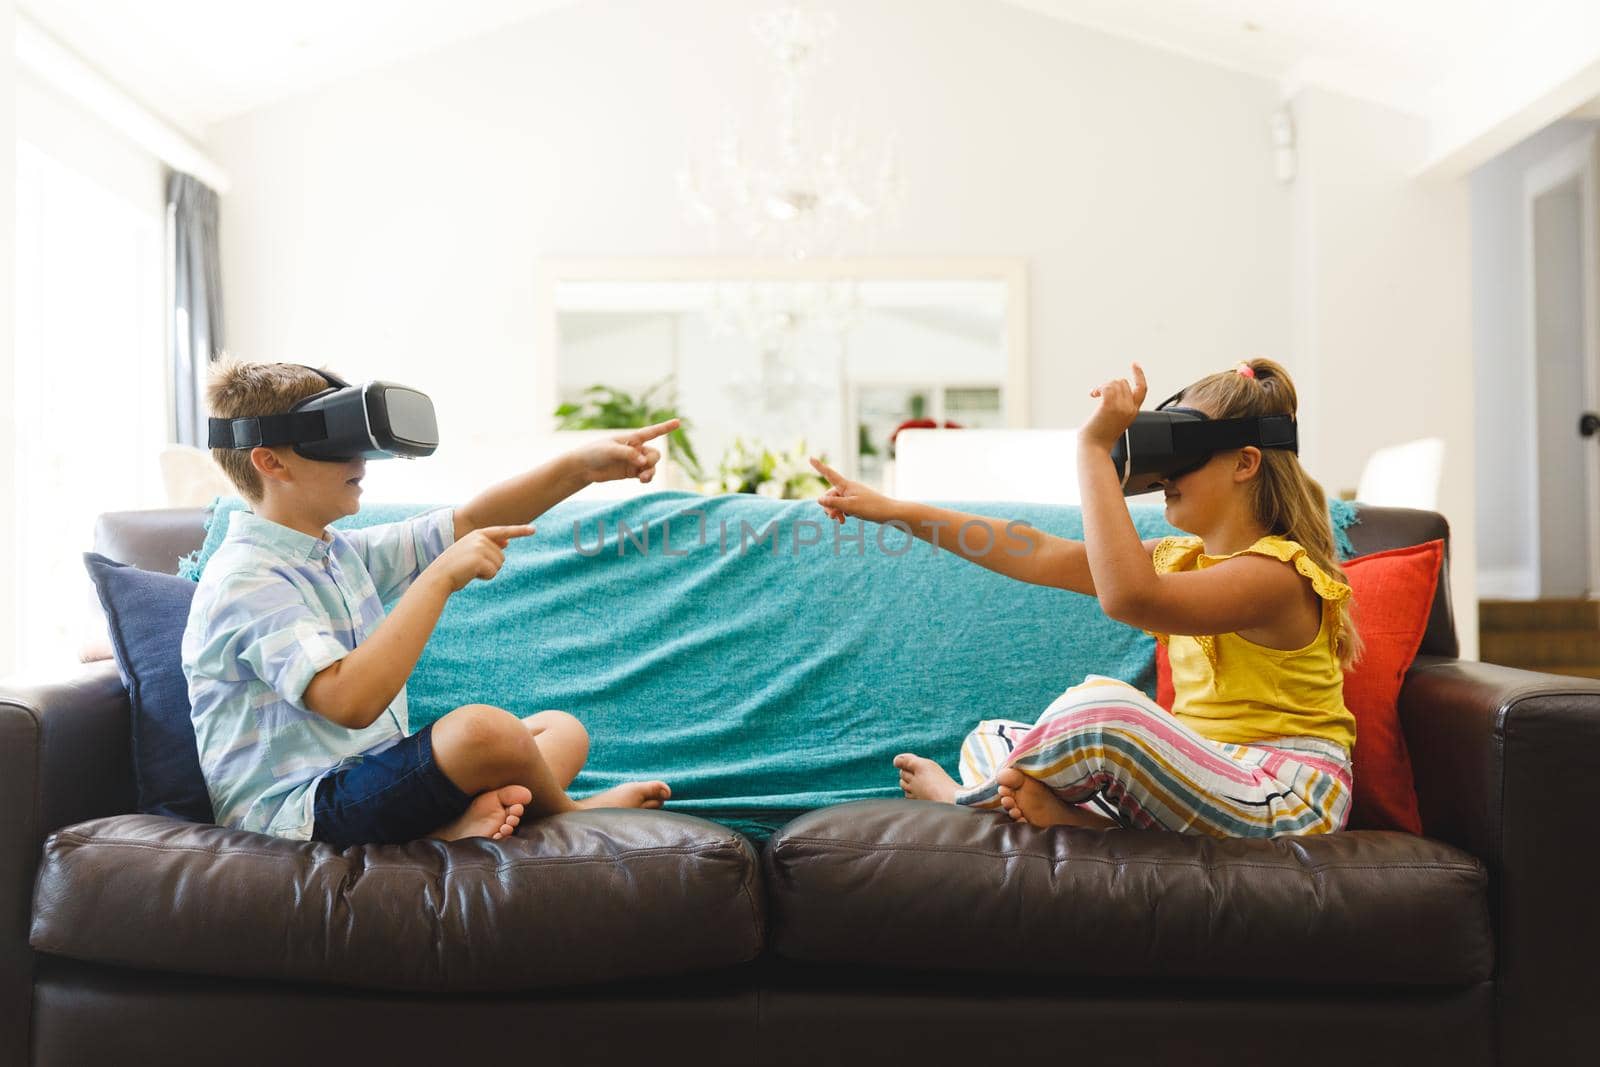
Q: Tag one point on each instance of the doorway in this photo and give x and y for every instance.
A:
(1564, 351)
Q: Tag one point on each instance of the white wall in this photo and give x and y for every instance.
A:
(1383, 350)
(391, 224)
(9, 559)
(68, 134)
(1504, 367)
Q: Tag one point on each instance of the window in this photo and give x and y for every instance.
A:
(90, 401)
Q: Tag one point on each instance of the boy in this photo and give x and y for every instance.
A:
(297, 678)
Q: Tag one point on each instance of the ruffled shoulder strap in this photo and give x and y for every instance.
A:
(1332, 591)
(1176, 553)
(1292, 552)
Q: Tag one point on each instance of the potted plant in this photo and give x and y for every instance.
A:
(757, 469)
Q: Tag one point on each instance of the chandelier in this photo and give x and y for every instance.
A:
(795, 329)
(811, 192)
(771, 315)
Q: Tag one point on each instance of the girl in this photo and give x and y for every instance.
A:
(1252, 609)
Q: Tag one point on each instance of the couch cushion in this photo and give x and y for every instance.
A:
(155, 539)
(1379, 529)
(913, 884)
(579, 898)
(146, 613)
(1393, 594)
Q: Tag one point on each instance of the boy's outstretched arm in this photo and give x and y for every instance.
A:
(355, 690)
(527, 496)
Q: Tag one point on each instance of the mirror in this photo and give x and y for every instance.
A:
(764, 355)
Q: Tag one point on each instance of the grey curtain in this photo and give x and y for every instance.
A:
(195, 325)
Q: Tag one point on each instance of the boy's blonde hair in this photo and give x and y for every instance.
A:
(1287, 500)
(239, 389)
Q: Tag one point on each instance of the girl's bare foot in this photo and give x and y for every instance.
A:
(629, 795)
(494, 815)
(1031, 801)
(923, 779)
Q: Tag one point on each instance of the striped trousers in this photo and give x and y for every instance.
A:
(1107, 743)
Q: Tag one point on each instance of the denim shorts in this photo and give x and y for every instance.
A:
(396, 795)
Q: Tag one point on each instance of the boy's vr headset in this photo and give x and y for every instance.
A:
(1171, 441)
(377, 420)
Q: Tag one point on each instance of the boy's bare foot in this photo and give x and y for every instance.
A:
(629, 795)
(923, 779)
(494, 815)
(1031, 801)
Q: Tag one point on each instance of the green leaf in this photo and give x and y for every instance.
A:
(606, 408)
(680, 442)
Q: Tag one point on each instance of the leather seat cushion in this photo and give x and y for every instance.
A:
(914, 884)
(578, 898)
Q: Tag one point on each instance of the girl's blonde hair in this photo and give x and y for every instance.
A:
(1287, 500)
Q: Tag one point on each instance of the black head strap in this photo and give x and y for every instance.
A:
(1219, 435)
(1206, 434)
(267, 430)
(292, 427)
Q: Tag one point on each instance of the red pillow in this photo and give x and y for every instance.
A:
(1393, 593)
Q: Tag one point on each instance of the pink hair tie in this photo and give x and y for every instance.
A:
(1246, 369)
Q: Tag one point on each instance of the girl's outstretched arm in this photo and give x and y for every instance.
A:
(1012, 548)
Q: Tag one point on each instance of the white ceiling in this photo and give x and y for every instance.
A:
(200, 61)
(1420, 56)
(196, 62)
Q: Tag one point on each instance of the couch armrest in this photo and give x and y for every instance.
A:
(64, 757)
(1506, 765)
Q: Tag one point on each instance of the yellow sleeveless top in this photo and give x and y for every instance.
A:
(1236, 691)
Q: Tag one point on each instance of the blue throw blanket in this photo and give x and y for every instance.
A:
(760, 676)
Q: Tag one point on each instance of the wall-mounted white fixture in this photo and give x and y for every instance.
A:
(1283, 151)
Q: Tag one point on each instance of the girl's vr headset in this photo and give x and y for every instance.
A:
(1171, 441)
(377, 420)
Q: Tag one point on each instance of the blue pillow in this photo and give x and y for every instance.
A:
(146, 614)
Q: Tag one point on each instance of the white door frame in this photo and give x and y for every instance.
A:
(1578, 161)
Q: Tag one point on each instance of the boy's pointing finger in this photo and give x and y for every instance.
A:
(501, 534)
(649, 433)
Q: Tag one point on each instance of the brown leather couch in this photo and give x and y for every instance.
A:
(881, 931)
